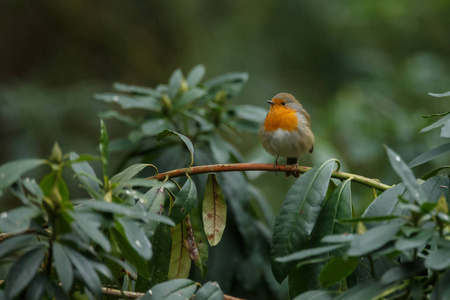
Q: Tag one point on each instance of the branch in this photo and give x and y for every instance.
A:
(373, 183)
(134, 295)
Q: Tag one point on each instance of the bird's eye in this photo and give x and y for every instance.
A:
(283, 103)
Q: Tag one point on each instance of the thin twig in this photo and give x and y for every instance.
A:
(120, 294)
(373, 183)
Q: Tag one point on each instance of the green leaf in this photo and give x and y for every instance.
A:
(201, 257)
(11, 171)
(173, 289)
(249, 112)
(195, 76)
(337, 269)
(34, 188)
(402, 272)
(184, 201)
(184, 138)
(147, 183)
(23, 271)
(155, 200)
(15, 243)
(209, 291)
(406, 175)
(137, 238)
(84, 168)
(204, 124)
(125, 210)
(174, 83)
(63, 267)
(441, 289)
(104, 141)
(189, 96)
(48, 182)
(154, 126)
(445, 130)
(369, 219)
(158, 265)
(231, 83)
(314, 295)
(127, 102)
(129, 253)
(180, 261)
(434, 172)
(307, 253)
(373, 239)
(437, 124)
(91, 227)
(126, 88)
(125, 175)
(387, 203)
(438, 259)
(435, 187)
(214, 210)
(18, 219)
(219, 149)
(298, 215)
(304, 278)
(439, 95)
(37, 287)
(337, 207)
(369, 289)
(112, 114)
(85, 267)
(429, 155)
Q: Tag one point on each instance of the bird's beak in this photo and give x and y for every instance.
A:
(270, 102)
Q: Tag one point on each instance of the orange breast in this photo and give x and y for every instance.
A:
(280, 117)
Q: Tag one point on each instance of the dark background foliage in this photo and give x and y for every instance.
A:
(362, 69)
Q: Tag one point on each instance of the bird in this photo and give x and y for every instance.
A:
(286, 131)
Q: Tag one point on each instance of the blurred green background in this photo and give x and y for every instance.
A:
(362, 69)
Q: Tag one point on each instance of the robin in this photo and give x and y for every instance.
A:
(286, 130)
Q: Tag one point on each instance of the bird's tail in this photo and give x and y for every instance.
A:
(292, 161)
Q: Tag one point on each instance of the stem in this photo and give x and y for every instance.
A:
(373, 183)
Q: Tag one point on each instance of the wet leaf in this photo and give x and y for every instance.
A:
(137, 238)
(63, 267)
(406, 175)
(129, 102)
(17, 219)
(172, 289)
(209, 291)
